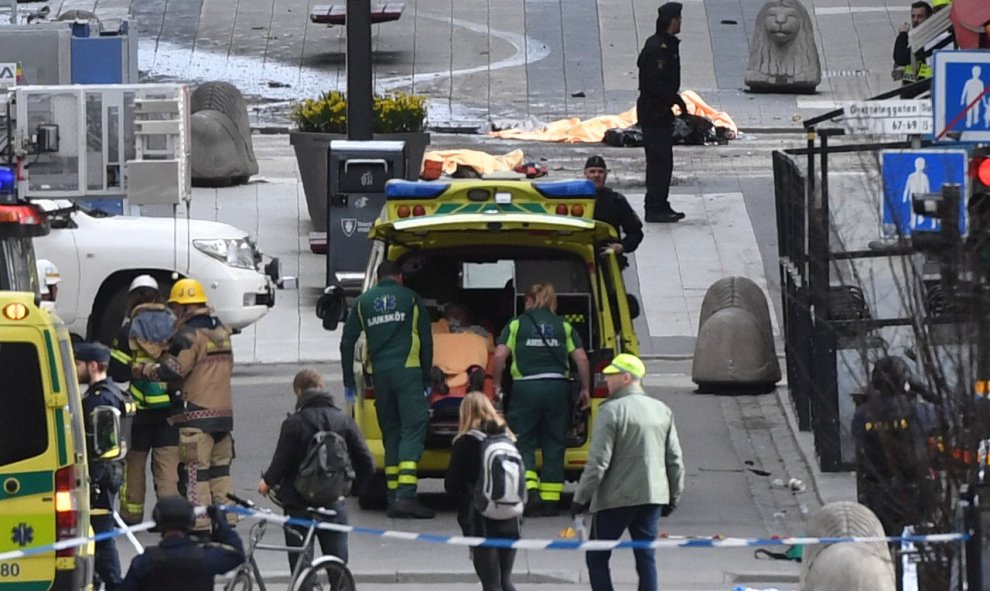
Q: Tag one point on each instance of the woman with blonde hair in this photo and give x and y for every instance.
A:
(541, 344)
(478, 420)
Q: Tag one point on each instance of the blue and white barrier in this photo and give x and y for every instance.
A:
(521, 544)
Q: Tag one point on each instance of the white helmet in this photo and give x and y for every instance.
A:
(47, 275)
(143, 281)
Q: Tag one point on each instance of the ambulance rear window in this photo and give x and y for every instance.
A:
(23, 429)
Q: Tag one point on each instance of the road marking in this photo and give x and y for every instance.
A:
(840, 10)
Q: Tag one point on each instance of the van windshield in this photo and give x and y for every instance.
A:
(23, 428)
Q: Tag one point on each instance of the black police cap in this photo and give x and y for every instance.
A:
(91, 352)
(670, 11)
(595, 161)
(174, 512)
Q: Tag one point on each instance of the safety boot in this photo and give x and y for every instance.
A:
(409, 508)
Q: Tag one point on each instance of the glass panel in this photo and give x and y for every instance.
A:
(94, 142)
(17, 268)
(54, 171)
(23, 425)
(113, 147)
(487, 275)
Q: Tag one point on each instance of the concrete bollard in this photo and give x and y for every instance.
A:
(222, 151)
(735, 351)
(783, 56)
(848, 566)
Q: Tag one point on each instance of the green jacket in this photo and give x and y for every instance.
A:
(396, 327)
(541, 343)
(635, 456)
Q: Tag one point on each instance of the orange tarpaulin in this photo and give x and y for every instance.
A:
(480, 161)
(574, 130)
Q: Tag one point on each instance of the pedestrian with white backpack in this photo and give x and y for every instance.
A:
(486, 477)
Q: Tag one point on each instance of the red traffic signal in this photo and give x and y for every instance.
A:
(981, 170)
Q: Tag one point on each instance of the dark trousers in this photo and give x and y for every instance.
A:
(107, 561)
(403, 417)
(609, 524)
(538, 415)
(332, 543)
(494, 565)
(657, 123)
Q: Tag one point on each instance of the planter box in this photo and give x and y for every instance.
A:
(312, 154)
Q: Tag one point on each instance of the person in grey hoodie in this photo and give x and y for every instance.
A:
(634, 474)
(315, 412)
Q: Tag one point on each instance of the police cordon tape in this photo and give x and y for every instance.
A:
(521, 544)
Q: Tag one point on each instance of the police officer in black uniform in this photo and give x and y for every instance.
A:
(180, 561)
(892, 463)
(105, 477)
(612, 208)
(659, 82)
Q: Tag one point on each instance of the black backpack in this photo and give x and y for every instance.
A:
(325, 473)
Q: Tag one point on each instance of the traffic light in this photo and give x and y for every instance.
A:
(944, 207)
(978, 204)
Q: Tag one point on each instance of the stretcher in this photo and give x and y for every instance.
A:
(462, 362)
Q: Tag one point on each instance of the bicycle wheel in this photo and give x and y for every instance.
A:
(328, 575)
(241, 582)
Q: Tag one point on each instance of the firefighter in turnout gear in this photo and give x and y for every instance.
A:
(143, 338)
(540, 343)
(400, 354)
(198, 363)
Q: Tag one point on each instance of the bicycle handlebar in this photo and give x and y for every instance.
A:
(242, 502)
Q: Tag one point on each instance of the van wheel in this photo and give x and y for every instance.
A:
(374, 494)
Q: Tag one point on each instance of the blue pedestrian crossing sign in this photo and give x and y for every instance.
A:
(909, 172)
(961, 96)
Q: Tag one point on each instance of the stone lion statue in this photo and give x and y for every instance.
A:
(783, 56)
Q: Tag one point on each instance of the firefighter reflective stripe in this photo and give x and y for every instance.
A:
(392, 477)
(550, 491)
(532, 480)
(121, 356)
(924, 71)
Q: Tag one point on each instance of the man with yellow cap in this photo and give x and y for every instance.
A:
(634, 474)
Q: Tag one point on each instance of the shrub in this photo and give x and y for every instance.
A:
(393, 113)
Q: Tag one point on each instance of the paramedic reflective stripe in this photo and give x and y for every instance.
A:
(150, 394)
(121, 356)
(550, 491)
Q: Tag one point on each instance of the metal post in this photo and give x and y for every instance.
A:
(825, 404)
(360, 97)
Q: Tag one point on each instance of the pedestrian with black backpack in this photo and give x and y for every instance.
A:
(486, 477)
(319, 459)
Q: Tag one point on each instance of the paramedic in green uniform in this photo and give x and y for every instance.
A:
(399, 356)
(540, 343)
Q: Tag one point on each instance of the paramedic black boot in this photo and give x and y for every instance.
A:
(409, 508)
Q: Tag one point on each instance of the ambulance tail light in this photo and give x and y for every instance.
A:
(399, 189)
(418, 210)
(600, 389)
(66, 508)
(403, 211)
(561, 209)
(577, 210)
(566, 189)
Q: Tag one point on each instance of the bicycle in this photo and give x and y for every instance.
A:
(326, 572)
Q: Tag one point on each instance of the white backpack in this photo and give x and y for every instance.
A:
(501, 491)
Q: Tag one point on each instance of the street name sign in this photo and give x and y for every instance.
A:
(907, 173)
(893, 117)
(961, 95)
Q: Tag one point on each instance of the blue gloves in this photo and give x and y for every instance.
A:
(350, 393)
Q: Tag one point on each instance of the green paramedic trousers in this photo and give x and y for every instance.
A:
(403, 416)
(538, 415)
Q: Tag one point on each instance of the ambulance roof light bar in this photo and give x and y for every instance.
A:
(400, 189)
